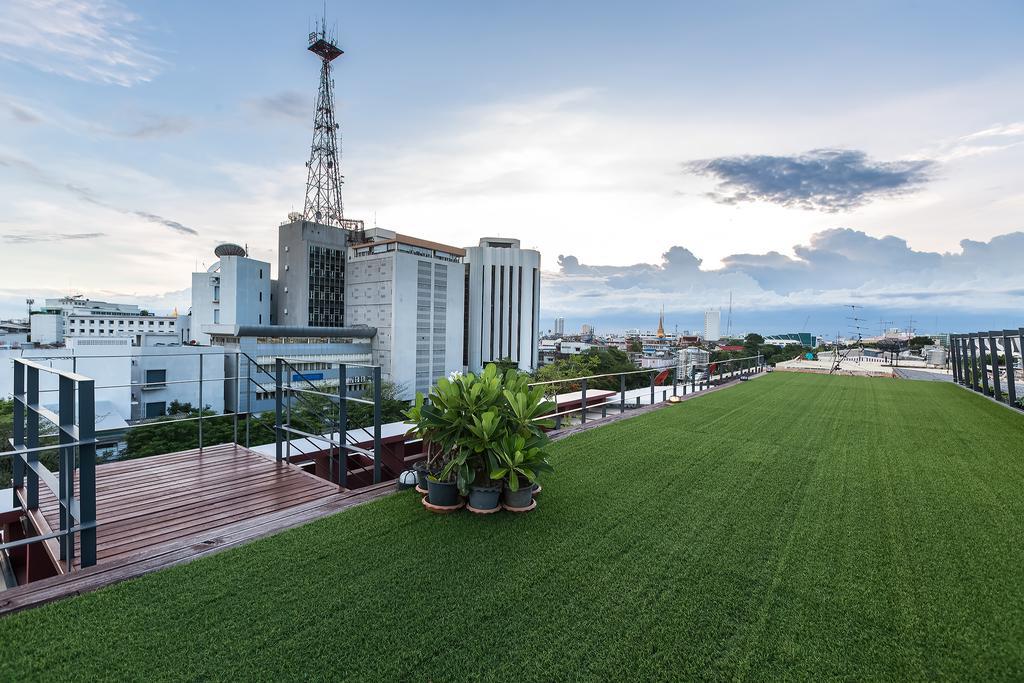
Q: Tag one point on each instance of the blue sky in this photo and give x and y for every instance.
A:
(672, 152)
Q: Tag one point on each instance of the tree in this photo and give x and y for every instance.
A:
(753, 342)
(634, 345)
(920, 342)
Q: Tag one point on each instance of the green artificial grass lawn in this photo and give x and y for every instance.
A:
(794, 526)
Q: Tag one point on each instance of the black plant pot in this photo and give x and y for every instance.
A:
(520, 498)
(442, 493)
(421, 474)
(484, 497)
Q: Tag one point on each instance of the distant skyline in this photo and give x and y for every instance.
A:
(803, 156)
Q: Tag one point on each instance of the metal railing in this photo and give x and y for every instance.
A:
(717, 372)
(265, 378)
(976, 359)
(76, 447)
(335, 424)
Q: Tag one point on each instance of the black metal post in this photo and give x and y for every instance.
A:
(974, 364)
(343, 425)
(376, 426)
(583, 401)
(201, 411)
(248, 397)
(994, 352)
(622, 394)
(32, 436)
(278, 388)
(953, 358)
(18, 433)
(653, 375)
(982, 352)
(966, 376)
(66, 482)
(87, 470)
(238, 400)
(1011, 373)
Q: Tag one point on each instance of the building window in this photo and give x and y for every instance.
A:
(261, 273)
(261, 296)
(156, 408)
(156, 378)
(216, 316)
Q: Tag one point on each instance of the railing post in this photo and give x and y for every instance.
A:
(32, 435)
(953, 357)
(278, 390)
(289, 372)
(201, 405)
(583, 401)
(18, 433)
(248, 397)
(982, 352)
(87, 470)
(376, 425)
(974, 365)
(66, 460)
(966, 377)
(622, 393)
(238, 398)
(653, 375)
(1011, 373)
(693, 382)
(343, 425)
(997, 392)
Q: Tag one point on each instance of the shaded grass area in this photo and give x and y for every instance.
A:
(794, 526)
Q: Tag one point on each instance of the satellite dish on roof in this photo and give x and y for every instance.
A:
(229, 249)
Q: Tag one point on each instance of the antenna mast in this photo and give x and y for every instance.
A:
(323, 184)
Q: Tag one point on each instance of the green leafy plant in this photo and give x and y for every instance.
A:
(465, 419)
(520, 459)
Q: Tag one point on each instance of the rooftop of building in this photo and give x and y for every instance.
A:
(377, 236)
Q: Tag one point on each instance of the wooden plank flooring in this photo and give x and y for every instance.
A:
(164, 510)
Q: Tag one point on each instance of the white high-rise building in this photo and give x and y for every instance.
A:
(560, 326)
(503, 313)
(712, 325)
(75, 316)
(413, 292)
(233, 291)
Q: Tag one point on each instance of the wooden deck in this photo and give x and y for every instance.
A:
(167, 509)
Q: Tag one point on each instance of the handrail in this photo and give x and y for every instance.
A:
(977, 354)
(694, 386)
(77, 514)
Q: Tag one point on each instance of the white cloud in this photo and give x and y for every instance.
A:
(87, 41)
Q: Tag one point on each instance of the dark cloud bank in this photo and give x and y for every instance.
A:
(828, 180)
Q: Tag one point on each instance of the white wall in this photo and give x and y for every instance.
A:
(413, 347)
(181, 367)
(234, 291)
(47, 328)
(515, 328)
(112, 374)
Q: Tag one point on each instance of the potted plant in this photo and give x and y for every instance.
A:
(520, 460)
(464, 421)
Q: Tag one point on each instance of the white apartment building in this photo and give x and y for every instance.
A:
(236, 290)
(75, 317)
(503, 312)
(712, 325)
(413, 292)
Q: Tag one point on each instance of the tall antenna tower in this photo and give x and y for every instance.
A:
(728, 321)
(323, 185)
